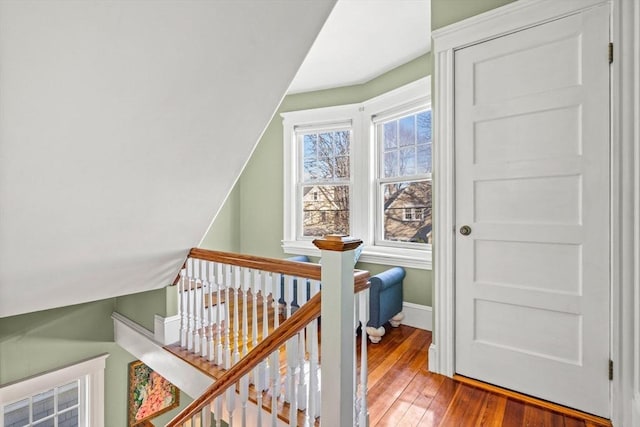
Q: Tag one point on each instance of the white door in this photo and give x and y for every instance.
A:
(532, 185)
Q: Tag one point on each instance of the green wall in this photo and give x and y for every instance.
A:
(31, 344)
(34, 343)
(257, 198)
(445, 12)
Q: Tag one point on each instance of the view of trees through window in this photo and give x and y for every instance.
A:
(404, 179)
(326, 186)
(405, 184)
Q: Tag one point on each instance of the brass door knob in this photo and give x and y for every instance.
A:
(465, 230)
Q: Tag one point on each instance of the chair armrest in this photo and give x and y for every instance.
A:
(388, 278)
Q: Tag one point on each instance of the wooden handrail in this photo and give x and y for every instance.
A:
(306, 270)
(287, 329)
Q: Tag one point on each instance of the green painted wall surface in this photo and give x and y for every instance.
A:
(34, 343)
(445, 12)
(224, 233)
(261, 184)
(142, 307)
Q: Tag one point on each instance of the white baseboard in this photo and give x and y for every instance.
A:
(417, 316)
(433, 359)
(166, 329)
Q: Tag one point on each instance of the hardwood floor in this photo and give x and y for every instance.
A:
(403, 393)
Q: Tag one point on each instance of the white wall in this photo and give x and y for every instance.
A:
(123, 126)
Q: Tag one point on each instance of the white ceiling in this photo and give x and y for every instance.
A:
(363, 39)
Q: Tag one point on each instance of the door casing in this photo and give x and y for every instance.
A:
(625, 195)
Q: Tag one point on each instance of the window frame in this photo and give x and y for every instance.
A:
(398, 112)
(364, 174)
(89, 372)
(301, 183)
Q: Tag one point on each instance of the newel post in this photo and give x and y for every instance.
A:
(338, 343)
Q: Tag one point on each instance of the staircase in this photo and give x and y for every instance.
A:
(252, 324)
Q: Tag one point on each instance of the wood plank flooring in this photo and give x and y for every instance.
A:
(403, 393)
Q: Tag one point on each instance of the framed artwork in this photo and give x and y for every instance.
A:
(149, 394)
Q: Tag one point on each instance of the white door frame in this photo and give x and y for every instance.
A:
(625, 195)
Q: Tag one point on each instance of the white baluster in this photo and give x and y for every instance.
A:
(219, 313)
(277, 295)
(231, 403)
(255, 287)
(244, 398)
(313, 410)
(292, 367)
(236, 317)
(218, 412)
(274, 360)
(244, 285)
(259, 387)
(275, 385)
(314, 359)
(303, 388)
(206, 416)
(182, 303)
(214, 322)
(204, 313)
(197, 293)
(262, 368)
(227, 318)
(363, 420)
(190, 303)
(288, 291)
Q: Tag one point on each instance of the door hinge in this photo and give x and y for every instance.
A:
(610, 53)
(610, 370)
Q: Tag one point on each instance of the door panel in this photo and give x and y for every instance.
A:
(532, 182)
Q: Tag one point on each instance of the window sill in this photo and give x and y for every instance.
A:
(408, 258)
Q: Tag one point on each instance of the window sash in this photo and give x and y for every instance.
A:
(317, 184)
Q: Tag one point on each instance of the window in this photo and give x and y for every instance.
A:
(68, 397)
(362, 170)
(404, 178)
(58, 406)
(325, 175)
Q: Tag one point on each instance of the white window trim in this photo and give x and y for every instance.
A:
(363, 209)
(91, 371)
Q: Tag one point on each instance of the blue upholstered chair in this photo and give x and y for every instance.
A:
(385, 299)
(294, 302)
(385, 302)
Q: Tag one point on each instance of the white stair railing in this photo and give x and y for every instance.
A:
(229, 304)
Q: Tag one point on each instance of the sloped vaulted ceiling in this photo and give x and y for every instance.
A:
(123, 126)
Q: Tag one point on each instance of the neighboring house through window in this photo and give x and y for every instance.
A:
(67, 397)
(362, 170)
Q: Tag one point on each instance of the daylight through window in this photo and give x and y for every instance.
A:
(363, 170)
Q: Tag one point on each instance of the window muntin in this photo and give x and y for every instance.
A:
(55, 407)
(404, 182)
(325, 181)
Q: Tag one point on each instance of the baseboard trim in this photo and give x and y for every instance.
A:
(593, 419)
(417, 316)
